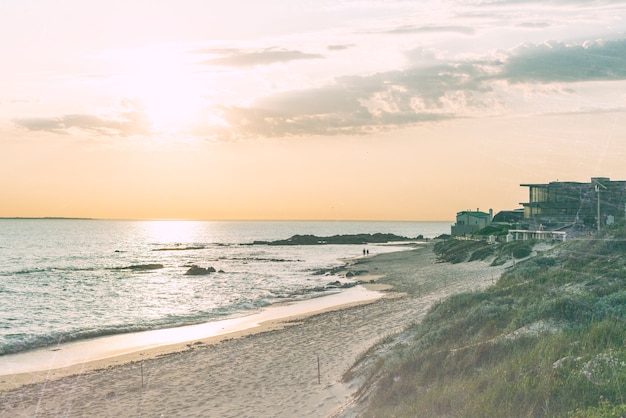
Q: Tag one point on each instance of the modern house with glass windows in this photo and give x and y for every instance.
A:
(559, 204)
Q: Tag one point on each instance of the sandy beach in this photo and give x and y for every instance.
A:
(285, 367)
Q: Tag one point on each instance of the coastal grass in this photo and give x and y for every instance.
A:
(459, 251)
(548, 339)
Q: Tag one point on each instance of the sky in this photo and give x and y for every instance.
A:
(304, 110)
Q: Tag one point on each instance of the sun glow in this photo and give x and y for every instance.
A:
(172, 108)
(172, 232)
(164, 83)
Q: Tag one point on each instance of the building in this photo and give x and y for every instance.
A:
(509, 216)
(468, 222)
(559, 204)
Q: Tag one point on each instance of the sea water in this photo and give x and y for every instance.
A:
(65, 280)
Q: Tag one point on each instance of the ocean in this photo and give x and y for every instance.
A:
(65, 280)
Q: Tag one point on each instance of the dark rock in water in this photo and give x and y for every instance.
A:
(146, 267)
(199, 271)
(336, 239)
(329, 271)
(349, 274)
(348, 285)
(338, 285)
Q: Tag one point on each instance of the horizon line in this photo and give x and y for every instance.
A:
(209, 220)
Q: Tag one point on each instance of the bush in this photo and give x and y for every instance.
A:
(482, 253)
(493, 229)
(457, 251)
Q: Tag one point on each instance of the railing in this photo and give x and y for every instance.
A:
(523, 235)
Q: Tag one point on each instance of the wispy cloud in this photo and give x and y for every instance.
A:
(125, 124)
(244, 58)
(410, 29)
(339, 47)
(534, 25)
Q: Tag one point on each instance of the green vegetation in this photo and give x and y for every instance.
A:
(513, 250)
(458, 251)
(548, 339)
(495, 229)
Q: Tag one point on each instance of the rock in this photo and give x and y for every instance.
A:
(146, 267)
(336, 239)
(199, 271)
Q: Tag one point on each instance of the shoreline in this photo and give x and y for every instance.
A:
(295, 367)
(66, 359)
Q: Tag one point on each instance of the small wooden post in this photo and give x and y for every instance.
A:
(319, 377)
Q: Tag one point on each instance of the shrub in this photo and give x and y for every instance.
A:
(493, 229)
(482, 253)
(457, 251)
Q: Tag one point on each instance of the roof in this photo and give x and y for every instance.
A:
(553, 183)
(473, 213)
(601, 180)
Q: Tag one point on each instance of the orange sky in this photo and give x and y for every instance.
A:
(345, 110)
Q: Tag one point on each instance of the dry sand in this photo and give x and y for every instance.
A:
(293, 368)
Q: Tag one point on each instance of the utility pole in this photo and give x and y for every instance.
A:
(598, 190)
(598, 185)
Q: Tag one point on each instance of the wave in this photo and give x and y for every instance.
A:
(46, 269)
(24, 342)
(193, 247)
(141, 267)
(35, 270)
(271, 260)
(17, 343)
(21, 342)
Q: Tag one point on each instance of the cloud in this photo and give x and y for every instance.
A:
(559, 62)
(355, 105)
(432, 89)
(410, 29)
(125, 124)
(339, 47)
(534, 25)
(19, 101)
(258, 122)
(268, 56)
(517, 3)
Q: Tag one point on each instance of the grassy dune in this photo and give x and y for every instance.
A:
(548, 339)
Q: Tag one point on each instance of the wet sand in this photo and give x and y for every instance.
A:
(287, 367)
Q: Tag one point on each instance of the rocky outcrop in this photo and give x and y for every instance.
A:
(142, 267)
(199, 271)
(377, 238)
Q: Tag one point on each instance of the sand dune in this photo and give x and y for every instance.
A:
(264, 374)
